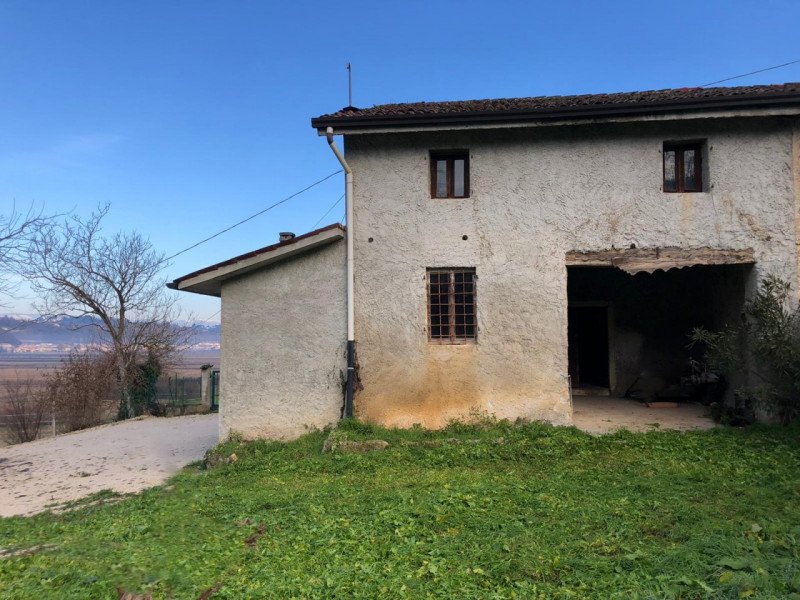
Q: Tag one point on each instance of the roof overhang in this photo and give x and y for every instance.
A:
(354, 123)
(649, 260)
(208, 281)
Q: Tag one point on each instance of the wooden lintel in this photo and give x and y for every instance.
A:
(648, 260)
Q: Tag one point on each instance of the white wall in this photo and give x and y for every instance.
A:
(535, 194)
(283, 346)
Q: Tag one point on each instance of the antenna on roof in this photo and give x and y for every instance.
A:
(349, 85)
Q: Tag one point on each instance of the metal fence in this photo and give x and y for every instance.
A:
(176, 394)
(215, 390)
(179, 394)
(47, 425)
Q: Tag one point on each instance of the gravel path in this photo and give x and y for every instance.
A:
(125, 457)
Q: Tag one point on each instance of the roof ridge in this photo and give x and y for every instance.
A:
(587, 95)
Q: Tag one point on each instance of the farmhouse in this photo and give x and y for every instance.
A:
(507, 254)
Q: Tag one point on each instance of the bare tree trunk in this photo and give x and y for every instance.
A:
(126, 401)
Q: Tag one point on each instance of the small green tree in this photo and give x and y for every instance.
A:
(772, 334)
(144, 390)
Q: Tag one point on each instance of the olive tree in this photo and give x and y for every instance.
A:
(771, 332)
(117, 281)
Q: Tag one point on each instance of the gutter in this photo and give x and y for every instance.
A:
(351, 342)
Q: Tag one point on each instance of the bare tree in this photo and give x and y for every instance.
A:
(116, 280)
(16, 230)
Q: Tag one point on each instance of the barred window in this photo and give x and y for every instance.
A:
(451, 306)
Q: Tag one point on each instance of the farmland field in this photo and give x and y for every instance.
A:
(35, 366)
(38, 362)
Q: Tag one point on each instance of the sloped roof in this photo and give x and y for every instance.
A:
(208, 280)
(551, 107)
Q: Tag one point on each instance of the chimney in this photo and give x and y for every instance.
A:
(285, 236)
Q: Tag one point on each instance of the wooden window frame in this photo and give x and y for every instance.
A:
(450, 158)
(452, 338)
(679, 148)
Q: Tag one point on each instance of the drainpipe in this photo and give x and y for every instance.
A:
(351, 335)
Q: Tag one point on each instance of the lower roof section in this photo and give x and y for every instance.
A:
(208, 281)
(648, 260)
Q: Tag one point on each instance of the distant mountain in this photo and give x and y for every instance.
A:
(62, 331)
(6, 337)
(66, 331)
(204, 333)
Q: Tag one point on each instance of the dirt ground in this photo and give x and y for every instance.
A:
(125, 457)
(133, 455)
(599, 414)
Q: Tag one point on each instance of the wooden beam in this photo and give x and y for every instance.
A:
(648, 260)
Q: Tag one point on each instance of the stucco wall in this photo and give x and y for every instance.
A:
(283, 346)
(536, 194)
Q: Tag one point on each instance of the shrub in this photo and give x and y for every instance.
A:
(82, 390)
(771, 332)
(26, 407)
(144, 392)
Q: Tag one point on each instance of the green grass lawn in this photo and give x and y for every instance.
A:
(549, 513)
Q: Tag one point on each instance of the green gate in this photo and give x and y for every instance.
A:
(215, 390)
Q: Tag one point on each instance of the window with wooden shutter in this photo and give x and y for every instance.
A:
(683, 167)
(450, 175)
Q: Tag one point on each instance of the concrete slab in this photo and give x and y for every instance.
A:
(597, 414)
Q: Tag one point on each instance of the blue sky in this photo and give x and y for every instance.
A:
(188, 116)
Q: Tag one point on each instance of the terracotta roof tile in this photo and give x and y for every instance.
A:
(549, 104)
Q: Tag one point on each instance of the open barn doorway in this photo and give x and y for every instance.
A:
(629, 333)
(589, 346)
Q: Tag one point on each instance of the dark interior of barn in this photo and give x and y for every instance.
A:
(630, 333)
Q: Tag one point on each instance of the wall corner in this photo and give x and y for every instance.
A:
(796, 189)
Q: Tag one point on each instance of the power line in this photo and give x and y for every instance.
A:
(328, 211)
(211, 317)
(253, 216)
(751, 73)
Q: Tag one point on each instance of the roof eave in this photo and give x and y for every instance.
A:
(361, 123)
(208, 281)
